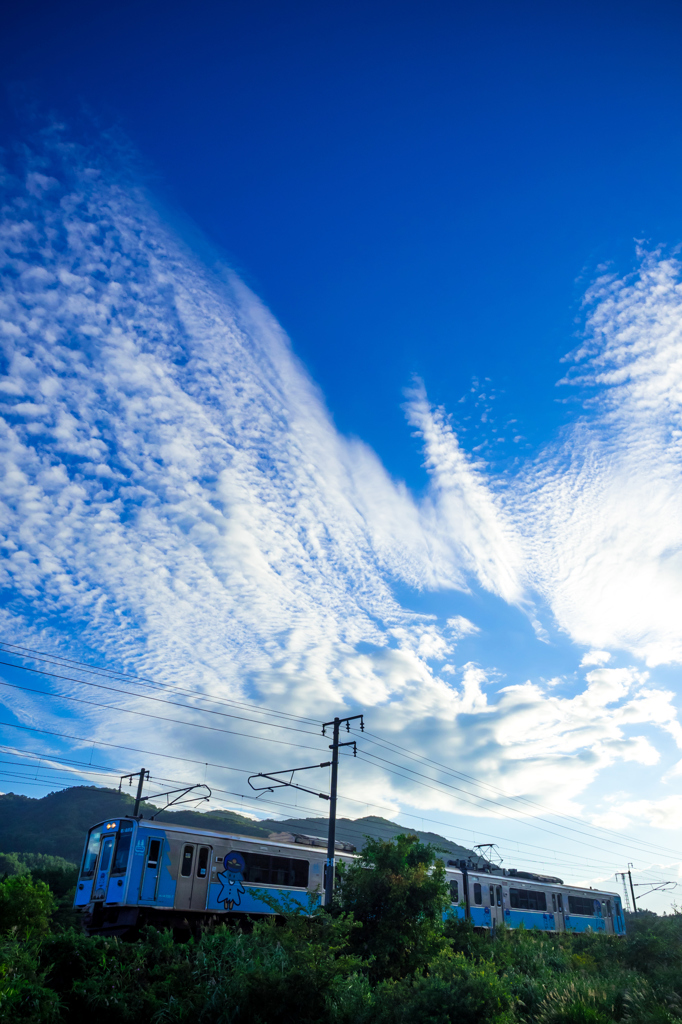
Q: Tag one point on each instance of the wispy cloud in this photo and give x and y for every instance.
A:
(174, 492)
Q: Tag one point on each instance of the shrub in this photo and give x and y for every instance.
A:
(25, 995)
(25, 905)
(397, 891)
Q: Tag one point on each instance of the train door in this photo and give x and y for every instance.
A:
(201, 878)
(607, 914)
(558, 911)
(496, 907)
(193, 878)
(150, 872)
(102, 873)
(183, 888)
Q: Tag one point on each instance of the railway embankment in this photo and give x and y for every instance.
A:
(382, 956)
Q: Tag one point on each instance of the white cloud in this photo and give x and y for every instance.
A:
(460, 627)
(595, 658)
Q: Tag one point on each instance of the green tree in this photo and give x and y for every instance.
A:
(25, 905)
(398, 892)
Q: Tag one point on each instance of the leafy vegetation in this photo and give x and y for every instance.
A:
(381, 957)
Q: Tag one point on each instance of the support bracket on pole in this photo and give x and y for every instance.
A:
(278, 783)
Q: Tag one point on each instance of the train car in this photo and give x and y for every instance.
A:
(137, 871)
(491, 898)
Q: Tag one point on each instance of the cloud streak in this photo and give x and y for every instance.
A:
(175, 494)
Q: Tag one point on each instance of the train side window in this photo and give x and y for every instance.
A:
(187, 855)
(492, 895)
(582, 905)
(528, 899)
(153, 857)
(261, 869)
(561, 902)
(499, 895)
(554, 902)
(454, 890)
(202, 862)
(122, 850)
(608, 908)
(91, 852)
(478, 897)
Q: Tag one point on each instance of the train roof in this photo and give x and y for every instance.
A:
(214, 834)
(516, 880)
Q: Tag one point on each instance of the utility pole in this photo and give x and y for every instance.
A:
(626, 901)
(632, 889)
(143, 774)
(331, 838)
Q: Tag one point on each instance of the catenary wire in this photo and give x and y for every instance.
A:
(371, 736)
(107, 769)
(158, 718)
(34, 655)
(596, 828)
(158, 700)
(445, 785)
(192, 760)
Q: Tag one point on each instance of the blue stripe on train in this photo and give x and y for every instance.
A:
(249, 903)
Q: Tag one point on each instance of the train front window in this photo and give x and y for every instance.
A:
(107, 847)
(187, 855)
(122, 851)
(91, 853)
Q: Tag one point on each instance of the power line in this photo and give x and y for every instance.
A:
(146, 696)
(389, 830)
(107, 769)
(249, 735)
(455, 789)
(457, 774)
(42, 656)
(34, 655)
(146, 714)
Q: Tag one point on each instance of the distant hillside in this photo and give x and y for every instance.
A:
(351, 830)
(56, 824)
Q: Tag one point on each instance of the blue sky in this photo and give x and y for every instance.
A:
(342, 370)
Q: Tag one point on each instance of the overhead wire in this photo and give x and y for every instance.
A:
(444, 785)
(457, 774)
(159, 718)
(519, 854)
(34, 655)
(252, 736)
(373, 738)
(158, 700)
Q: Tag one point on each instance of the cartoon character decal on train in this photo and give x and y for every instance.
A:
(231, 880)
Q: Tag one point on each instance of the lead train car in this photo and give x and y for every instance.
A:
(137, 872)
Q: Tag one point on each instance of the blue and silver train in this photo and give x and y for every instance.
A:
(137, 871)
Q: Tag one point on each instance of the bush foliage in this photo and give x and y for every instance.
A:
(382, 956)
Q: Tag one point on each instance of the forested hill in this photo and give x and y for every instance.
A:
(57, 823)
